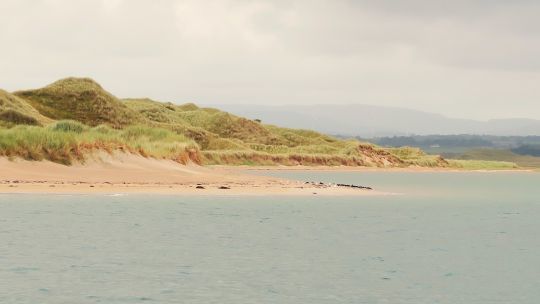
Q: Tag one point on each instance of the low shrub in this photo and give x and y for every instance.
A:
(68, 126)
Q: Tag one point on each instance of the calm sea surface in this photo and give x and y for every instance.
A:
(446, 238)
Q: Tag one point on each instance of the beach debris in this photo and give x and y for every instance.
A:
(354, 186)
(199, 187)
(327, 185)
(224, 187)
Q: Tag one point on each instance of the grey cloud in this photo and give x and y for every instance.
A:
(473, 59)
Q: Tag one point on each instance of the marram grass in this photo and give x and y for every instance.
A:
(68, 141)
(80, 99)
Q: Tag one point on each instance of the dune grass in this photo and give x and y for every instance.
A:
(17, 111)
(211, 126)
(417, 157)
(251, 158)
(80, 99)
(12, 117)
(67, 141)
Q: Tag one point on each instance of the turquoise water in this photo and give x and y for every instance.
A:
(447, 238)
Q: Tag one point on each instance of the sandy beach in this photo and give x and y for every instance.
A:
(124, 173)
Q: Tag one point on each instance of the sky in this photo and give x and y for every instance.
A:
(462, 58)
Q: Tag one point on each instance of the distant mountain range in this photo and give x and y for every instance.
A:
(376, 121)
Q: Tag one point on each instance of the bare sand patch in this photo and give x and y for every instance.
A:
(127, 173)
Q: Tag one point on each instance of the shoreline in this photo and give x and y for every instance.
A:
(364, 169)
(183, 190)
(130, 174)
(133, 174)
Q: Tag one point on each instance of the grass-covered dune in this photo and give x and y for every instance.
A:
(80, 99)
(75, 117)
(15, 110)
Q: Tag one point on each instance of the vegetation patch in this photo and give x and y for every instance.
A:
(12, 117)
(64, 142)
(80, 99)
(15, 110)
(481, 164)
(524, 161)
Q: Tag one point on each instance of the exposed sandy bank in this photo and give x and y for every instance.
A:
(136, 174)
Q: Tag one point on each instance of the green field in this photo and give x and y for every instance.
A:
(524, 161)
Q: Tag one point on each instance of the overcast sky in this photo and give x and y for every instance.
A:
(462, 58)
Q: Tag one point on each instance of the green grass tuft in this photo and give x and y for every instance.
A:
(68, 126)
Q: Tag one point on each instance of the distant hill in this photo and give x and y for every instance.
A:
(375, 121)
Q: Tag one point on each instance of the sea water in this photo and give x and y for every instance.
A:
(441, 238)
